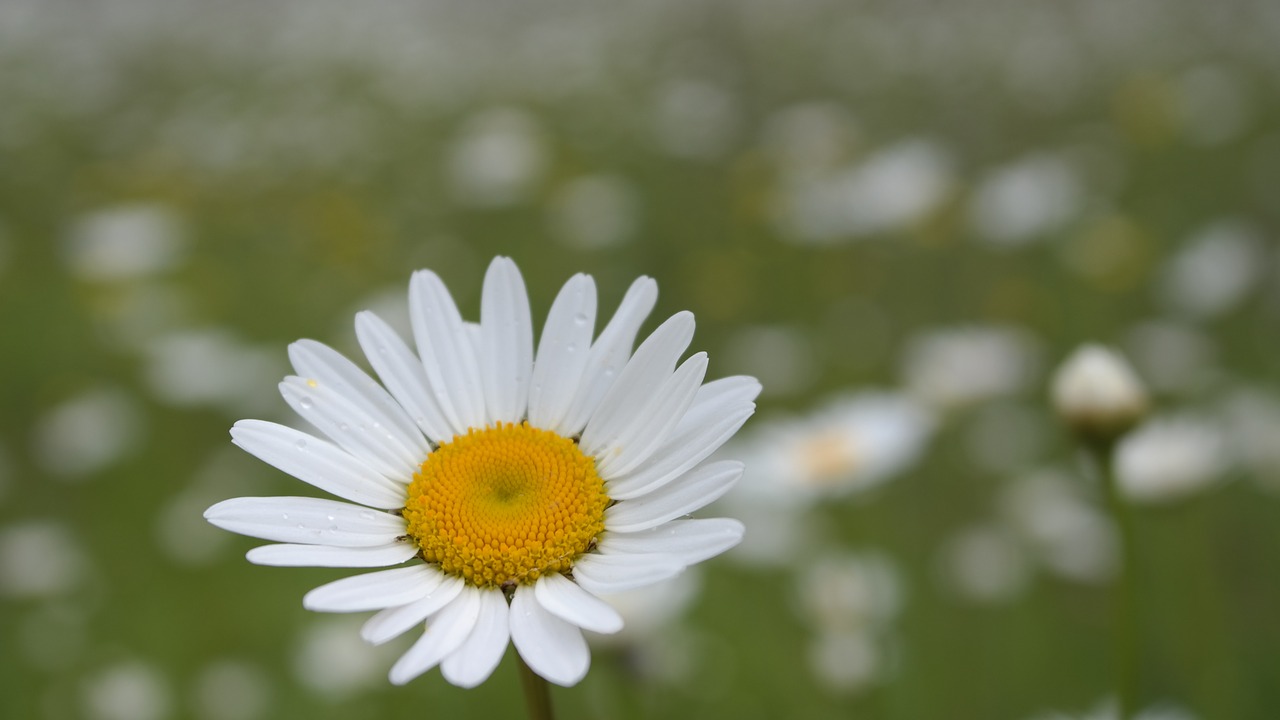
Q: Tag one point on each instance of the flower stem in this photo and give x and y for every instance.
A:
(537, 693)
(1124, 608)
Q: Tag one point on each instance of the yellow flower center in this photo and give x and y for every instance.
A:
(505, 504)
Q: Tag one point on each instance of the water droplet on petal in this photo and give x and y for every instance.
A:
(301, 444)
(580, 319)
(305, 402)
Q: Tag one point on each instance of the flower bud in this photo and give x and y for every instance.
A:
(1098, 394)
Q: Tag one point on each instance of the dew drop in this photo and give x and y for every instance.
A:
(306, 402)
(284, 516)
(301, 444)
(343, 427)
(580, 319)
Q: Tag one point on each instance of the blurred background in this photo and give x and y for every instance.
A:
(899, 216)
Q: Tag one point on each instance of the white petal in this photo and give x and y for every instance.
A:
(691, 492)
(326, 556)
(394, 622)
(717, 398)
(609, 354)
(363, 435)
(651, 427)
(553, 648)
(317, 462)
(310, 521)
(692, 541)
(563, 598)
(319, 362)
(562, 353)
(506, 342)
(602, 574)
(375, 590)
(403, 374)
(447, 353)
(643, 375)
(445, 632)
(688, 447)
(480, 654)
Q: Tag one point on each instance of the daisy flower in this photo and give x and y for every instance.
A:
(511, 488)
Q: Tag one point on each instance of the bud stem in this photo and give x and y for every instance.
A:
(1124, 607)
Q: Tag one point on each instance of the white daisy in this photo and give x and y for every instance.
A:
(514, 488)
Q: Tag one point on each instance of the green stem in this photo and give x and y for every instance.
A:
(1125, 617)
(537, 693)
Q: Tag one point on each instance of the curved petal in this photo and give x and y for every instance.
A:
(691, 492)
(310, 521)
(375, 590)
(357, 432)
(319, 362)
(562, 353)
(394, 622)
(445, 633)
(565, 599)
(404, 375)
(480, 654)
(327, 556)
(690, 541)
(718, 397)
(688, 447)
(447, 353)
(317, 462)
(653, 425)
(643, 375)
(506, 342)
(553, 648)
(601, 574)
(609, 354)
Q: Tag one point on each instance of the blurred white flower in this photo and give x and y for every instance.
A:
(646, 610)
(952, 367)
(849, 444)
(897, 186)
(696, 119)
(125, 242)
(497, 158)
(1066, 534)
(890, 189)
(1214, 271)
(1251, 423)
(1025, 200)
(131, 690)
(850, 601)
(1097, 393)
(809, 139)
(332, 660)
(1171, 458)
(1173, 357)
(212, 367)
(847, 661)
(231, 690)
(596, 211)
(985, 564)
(87, 433)
(850, 591)
(39, 558)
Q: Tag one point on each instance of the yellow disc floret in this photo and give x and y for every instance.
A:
(505, 504)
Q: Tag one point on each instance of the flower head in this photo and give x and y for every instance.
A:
(1098, 394)
(512, 488)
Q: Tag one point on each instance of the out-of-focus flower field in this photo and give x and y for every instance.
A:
(899, 216)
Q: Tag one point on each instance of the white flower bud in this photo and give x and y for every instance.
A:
(1098, 394)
